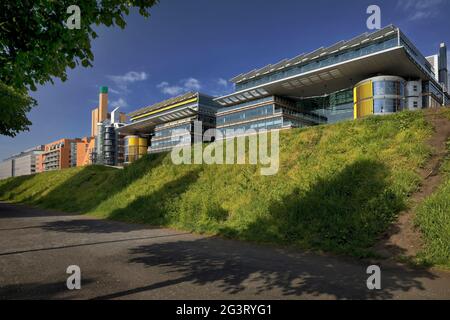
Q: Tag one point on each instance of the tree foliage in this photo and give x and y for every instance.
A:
(14, 106)
(36, 45)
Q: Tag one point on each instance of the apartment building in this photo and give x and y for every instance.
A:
(64, 153)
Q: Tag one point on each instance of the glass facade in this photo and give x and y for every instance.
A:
(171, 142)
(389, 96)
(416, 55)
(167, 132)
(276, 113)
(268, 124)
(168, 137)
(379, 95)
(171, 134)
(387, 105)
(171, 122)
(392, 88)
(331, 108)
(432, 89)
(281, 112)
(245, 115)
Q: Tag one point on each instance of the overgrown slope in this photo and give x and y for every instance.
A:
(433, 220)
(338, 188)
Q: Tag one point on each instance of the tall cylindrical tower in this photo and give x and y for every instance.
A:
(103, 104)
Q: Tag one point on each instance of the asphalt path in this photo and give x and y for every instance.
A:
(126, 261)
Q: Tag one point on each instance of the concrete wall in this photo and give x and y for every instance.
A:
(6, 169)
(24, 165)
(413, 93)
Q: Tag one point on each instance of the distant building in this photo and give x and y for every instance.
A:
(7, 169)
(108, 143)
(21, 164)
(83, 151)
(168, 123)
(57, 155)
(100, 113)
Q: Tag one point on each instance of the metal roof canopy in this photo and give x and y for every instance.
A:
(147, 125)
(394, 61)
(318, 53)
(162, 104)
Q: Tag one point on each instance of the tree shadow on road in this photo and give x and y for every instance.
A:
(237, 267)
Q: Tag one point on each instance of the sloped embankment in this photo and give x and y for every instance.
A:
(338, 189)
(433, 215)
(411, 234)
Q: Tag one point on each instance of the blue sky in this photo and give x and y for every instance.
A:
(200, 44)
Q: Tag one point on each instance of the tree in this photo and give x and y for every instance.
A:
(14, 106)
(36, 45)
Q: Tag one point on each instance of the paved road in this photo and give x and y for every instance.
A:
(123, 261)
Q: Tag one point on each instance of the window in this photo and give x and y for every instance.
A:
(387, 105)
(415, 104)
(415, 89)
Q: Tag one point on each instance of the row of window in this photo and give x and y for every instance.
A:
(171, 142)
(169, 131)
(416, 55)
(268, 124)
(246, 115)
(381, 88)
(388, 105)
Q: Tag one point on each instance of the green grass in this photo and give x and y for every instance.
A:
(338, 188)
(433, 219)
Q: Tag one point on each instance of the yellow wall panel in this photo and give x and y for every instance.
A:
(364, 91)
(365, 108)
(363, 100)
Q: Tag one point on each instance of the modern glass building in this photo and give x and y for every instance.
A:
(171, 122)
(377, 73)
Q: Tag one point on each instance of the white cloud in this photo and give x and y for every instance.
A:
(420, 9)
(122, 81)
(170, 90)
(190, 84)
(222, 82)
(122, 103)
(162, 84)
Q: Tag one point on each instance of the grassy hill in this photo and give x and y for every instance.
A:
(337, 190)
